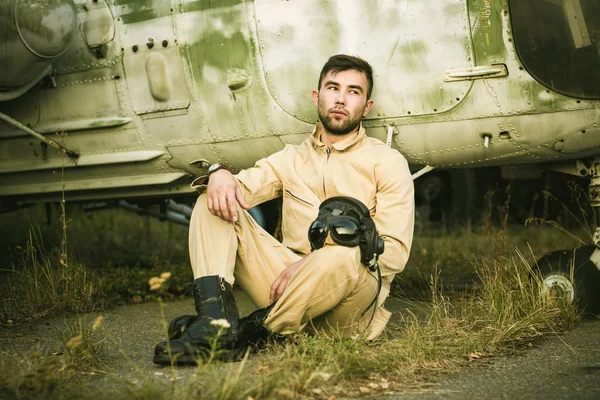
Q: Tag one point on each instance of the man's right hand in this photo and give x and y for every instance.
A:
(223, 194)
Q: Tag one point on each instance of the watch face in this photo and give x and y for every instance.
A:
(213, 168)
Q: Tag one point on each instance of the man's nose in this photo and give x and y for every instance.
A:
(341, 97)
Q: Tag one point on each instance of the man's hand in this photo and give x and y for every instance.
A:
(223, 195)
(278, 287)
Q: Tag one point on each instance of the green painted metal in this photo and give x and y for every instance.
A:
(231, 81)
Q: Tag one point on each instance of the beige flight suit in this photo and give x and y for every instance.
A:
(332, 290)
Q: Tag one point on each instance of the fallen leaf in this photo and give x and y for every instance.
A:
(374, 385)
(385, 385)
(364, 389)
(317, 391)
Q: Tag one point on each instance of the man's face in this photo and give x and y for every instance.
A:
(342, 101)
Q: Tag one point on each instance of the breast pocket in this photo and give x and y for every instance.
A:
(298, 213)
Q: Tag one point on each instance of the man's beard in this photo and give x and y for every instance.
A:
(338, 127)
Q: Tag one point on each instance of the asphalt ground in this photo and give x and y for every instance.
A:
(565, 366)
(130, 334)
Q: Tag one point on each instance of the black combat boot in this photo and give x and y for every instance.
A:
(178, 325)
(214, 303)
(253, 332)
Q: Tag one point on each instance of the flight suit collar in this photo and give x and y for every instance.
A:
(340, 146)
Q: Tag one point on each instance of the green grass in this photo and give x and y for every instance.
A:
(482, 300)
(41, 284)
(503, 311)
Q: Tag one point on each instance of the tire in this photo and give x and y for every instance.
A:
(575, 275)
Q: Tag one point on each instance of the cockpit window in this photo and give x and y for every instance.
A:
(558, 42)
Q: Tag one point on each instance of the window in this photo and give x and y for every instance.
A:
(558, 42)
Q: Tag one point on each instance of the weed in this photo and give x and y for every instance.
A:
(84, 344)
(42, 286)
(38, 374)
(506, 308)
(584, 216)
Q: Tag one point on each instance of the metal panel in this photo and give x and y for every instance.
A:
(155, 75)
(92, 184)
(409, 43)
(82, 161)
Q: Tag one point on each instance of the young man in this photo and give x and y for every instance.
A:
(328, 288)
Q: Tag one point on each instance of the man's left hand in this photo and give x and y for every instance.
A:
(278, 287)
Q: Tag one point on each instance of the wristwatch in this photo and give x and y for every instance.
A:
(214, 168)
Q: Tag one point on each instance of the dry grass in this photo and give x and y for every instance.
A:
(503, 311)
(45, 375)
(43, 284)
(502, 308)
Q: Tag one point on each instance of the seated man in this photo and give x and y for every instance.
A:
(328, 288)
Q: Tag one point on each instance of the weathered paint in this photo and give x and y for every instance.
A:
(33, 35)
(408, 59)
(240, 75)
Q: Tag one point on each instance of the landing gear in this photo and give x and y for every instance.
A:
(573, 274)
(576, 273)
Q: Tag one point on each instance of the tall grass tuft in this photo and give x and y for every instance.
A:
(504, 311)
(42, 284)
(38, 374)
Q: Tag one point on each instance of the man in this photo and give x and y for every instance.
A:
(326, 289)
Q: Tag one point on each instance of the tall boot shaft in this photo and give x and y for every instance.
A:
(198, 336)
(214, 299)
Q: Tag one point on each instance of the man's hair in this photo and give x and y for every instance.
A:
(343, 62)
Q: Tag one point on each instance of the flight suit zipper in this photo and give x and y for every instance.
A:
(328, 152)
(222, 285)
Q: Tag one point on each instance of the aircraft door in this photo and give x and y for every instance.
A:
(409, 43)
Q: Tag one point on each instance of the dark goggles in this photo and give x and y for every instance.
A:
(344, 231)
(348, 222)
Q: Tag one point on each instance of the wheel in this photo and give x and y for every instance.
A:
(572, 273)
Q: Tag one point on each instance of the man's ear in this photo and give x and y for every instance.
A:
(368, 108)
(315, 96)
